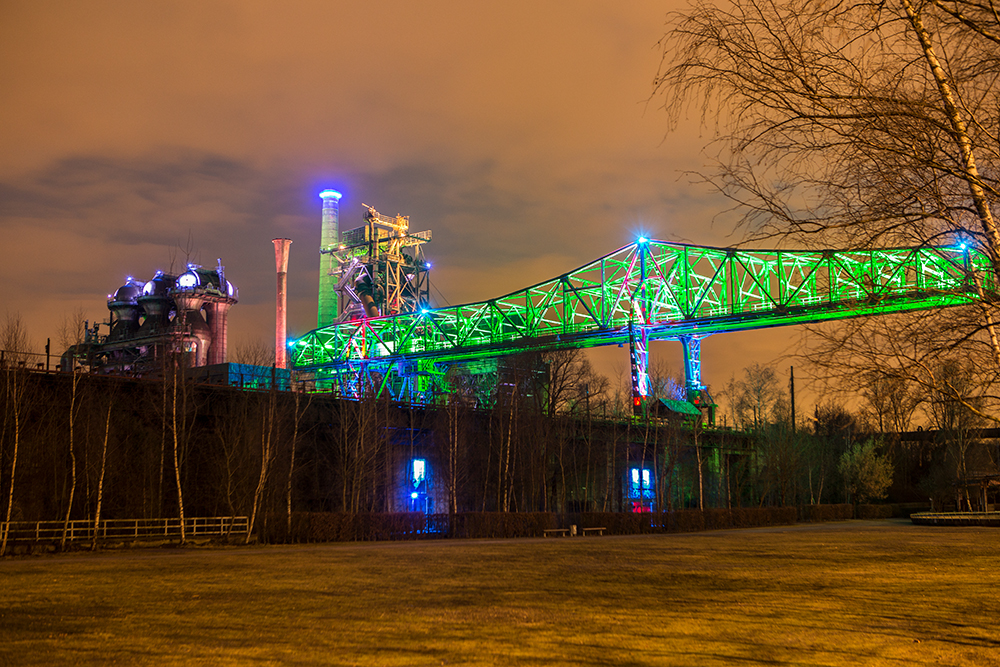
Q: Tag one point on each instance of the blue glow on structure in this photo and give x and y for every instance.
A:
(641, 484)
(327, 194)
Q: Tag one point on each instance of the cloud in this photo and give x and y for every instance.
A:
(140, 136)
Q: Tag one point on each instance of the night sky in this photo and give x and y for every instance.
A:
(141, 136)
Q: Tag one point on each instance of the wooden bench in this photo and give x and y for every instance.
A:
(556, 532)
(599, 531)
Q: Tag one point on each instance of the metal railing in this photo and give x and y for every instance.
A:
(84, 529)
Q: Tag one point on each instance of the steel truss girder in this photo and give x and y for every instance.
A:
(683, 291)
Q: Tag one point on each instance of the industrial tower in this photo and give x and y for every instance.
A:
(329, 243)
(373, 271)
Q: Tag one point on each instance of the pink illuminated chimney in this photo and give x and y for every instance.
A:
(280, 336)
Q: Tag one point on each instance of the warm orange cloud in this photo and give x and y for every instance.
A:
(519, 132)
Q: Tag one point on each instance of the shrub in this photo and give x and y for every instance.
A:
(873, 512)
(718, 518)
(501, 524)
(685, 521)
(618, 523)
(345, 526)
(819, 513)
(867, 473)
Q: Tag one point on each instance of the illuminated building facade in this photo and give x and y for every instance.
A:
(185, 315)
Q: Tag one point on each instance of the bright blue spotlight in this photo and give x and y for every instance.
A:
(424, 311)
(414, 495)
(427, 265)
(642, 239)
(327, 194)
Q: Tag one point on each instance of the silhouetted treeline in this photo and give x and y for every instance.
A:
(81, 446)
(87, 440)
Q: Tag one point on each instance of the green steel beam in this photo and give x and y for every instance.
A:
(684, 290)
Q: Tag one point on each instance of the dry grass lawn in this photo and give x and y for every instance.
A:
(854, 593)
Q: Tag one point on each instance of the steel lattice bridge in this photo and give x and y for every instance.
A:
(649, 290)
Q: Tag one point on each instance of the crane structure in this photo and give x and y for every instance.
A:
(379, 268)
(649, 290)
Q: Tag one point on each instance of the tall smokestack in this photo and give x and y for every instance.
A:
(281, 265)
(329, 242)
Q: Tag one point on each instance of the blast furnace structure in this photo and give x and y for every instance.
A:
(185, 314)
(375, 270)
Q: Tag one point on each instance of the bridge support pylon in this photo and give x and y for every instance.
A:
(694, 389)
(638, 347)
(692, 365)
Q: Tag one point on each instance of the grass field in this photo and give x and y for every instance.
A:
(854, 593)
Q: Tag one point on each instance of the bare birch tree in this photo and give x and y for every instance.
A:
(14, 344)
(100, 479)
(268, 450)
(847, 123)
(856, 122)
(299, 412)
(74, 409)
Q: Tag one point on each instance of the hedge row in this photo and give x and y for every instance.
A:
(343, 527)
(874, 512)
(350, 527)
(820, 513)
(500, 524)
(845, 512)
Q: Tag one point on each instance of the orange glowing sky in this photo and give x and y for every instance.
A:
(520, 132)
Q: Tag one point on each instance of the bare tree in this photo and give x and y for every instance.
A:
(71, 328)
(179, 410)
(15, 347)
(268, 451)
(753, 397)
(835, 430)
(860, 122)
(852, 123)
(567, 371)
(74, 409)
(299, 412)
(891, 401)
(895, 360)
(104, 464)
(951, 406)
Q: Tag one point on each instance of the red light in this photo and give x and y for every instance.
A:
(636, 400)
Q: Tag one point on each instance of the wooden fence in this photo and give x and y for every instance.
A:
(123, 529)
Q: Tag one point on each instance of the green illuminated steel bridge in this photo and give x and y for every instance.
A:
(649, 290)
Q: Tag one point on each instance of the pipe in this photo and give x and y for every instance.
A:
(280, 323)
